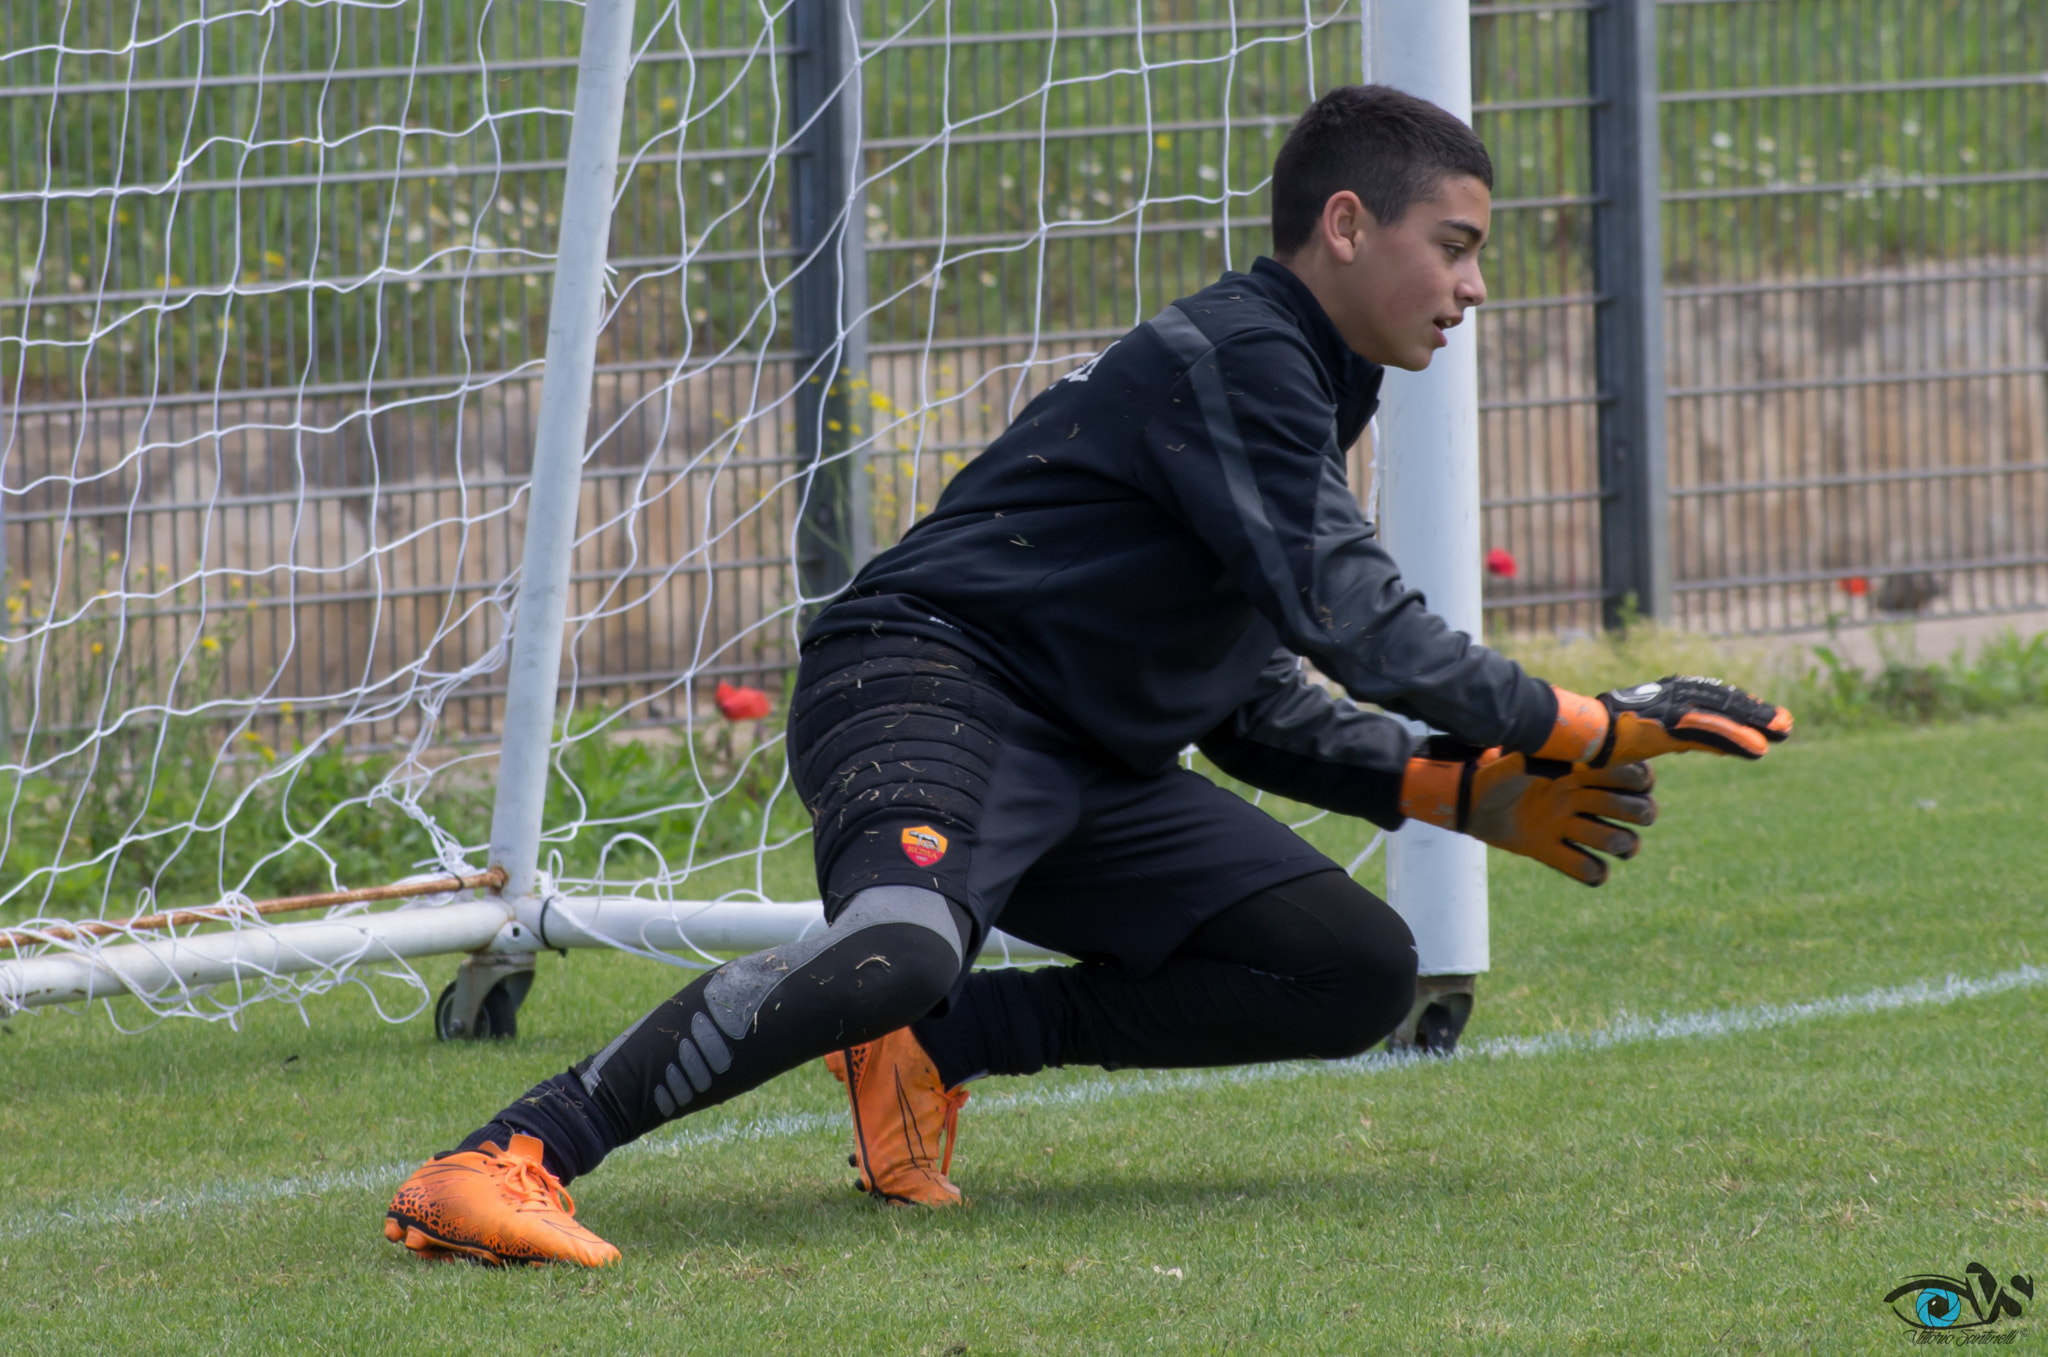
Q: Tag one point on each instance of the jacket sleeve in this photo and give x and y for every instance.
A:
(1244, 451)
(1293, 739)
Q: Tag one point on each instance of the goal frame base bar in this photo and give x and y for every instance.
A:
(163, 969)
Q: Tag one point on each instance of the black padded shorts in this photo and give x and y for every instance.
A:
(922, 767)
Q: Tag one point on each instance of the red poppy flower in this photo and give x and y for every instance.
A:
(742, 704)
(1500, 562)
(1856, 586)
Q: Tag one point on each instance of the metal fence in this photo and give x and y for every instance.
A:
(1856, 221)
(1852, 199)
(1540, 396)
(308, 244)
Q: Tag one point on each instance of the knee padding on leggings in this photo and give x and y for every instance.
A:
(891, 955)
(738, 989)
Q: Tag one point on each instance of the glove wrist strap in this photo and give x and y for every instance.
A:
(1584, 728)
(1438, 792)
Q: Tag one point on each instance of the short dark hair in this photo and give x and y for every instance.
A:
(1391, 149)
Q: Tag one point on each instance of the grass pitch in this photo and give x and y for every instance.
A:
(1755, 1181)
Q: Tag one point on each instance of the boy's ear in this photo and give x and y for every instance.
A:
(1344, 225)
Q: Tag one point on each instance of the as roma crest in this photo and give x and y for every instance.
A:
(924, 845)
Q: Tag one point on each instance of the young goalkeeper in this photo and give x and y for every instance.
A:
(985, 727)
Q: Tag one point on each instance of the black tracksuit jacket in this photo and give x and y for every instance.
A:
(1147, 549)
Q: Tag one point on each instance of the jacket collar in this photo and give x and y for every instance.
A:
(1355, 381)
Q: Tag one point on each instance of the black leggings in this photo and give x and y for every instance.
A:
(1315, 967)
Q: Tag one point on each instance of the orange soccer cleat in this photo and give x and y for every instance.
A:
(494, 1206)
(905, 1120)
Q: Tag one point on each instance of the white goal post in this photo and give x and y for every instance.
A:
(1429, 503)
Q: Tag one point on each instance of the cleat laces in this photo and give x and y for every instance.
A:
(529, 1184)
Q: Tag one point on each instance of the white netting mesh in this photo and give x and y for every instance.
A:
(273, 292)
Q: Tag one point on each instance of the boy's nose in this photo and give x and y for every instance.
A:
(1471, 289)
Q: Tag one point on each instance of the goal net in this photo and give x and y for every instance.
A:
(274, 301)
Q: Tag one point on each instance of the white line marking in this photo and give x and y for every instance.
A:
(1626, 1031)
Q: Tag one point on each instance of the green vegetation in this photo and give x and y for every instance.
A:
(2003, 676)
(195, 1187)
(187, 806)
(147, 780)
(699, 797)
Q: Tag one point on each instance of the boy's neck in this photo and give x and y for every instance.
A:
(1314, 271)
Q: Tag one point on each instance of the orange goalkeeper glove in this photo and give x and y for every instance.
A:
(1670, 716)
(1548, 811)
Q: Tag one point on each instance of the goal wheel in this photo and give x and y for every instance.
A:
(1439, 1025)
(497, 1018)
(1443, 1005)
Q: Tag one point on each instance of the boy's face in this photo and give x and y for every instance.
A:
(1393, 290)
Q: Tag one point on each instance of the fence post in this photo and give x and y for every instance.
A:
(835, 535)
(1628, 326)
(574, 314)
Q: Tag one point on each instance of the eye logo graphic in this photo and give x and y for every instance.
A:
(1933, 1303)
(924, 845)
